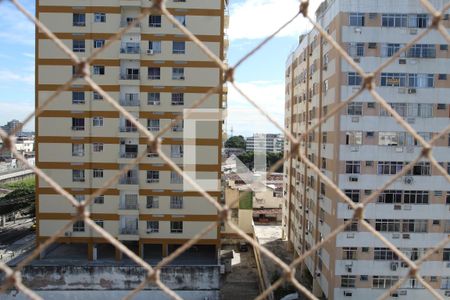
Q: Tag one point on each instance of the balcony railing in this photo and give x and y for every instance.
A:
(129, 102)
(78, 128)
(128, 129)
(125, 23)
(129, 205)
(129, 180)
(128, 230)
(130, 50)
(130, 76)
(128, 154)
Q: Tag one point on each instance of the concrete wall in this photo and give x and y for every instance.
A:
(62, 278)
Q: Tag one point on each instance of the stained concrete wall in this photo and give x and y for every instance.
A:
(57, 278)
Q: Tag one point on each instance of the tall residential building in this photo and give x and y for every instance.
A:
(11, 126)
(361, 147)
(155, 72)
(269, 142)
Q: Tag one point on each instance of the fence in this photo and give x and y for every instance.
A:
(13, 276)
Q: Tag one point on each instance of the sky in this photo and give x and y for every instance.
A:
(261, 76)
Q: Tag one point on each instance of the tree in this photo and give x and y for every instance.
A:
(235, 142)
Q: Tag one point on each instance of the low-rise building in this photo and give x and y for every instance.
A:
(265, 142)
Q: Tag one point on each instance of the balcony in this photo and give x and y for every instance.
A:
(128, 129)
(130, 102)
(135, 29)
(78, 128)
(129, 180)
(130, 77)
(130, 51)
(128, 231)
(129, 155)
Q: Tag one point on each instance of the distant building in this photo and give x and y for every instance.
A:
(265, 142)
(11, 126)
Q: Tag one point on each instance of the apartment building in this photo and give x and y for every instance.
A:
(155, 72)
(270, 142)
(362, 147)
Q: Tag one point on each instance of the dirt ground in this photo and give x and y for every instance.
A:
(242, 282)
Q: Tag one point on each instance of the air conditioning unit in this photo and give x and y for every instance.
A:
(413, 31)
(358, 30)
(397, 207)
(394, 266)
(412, 91)
(355, 119)
(406, 236)
(394, 295)
(411, 120)
(347, 294)
(403, 292)
(353, 178)
(150, 52)
(402, 61)
(407, 207)
(68, 233)
(356, 59)
(395, 235)
(404, 265)
(181, 77)
(447, 293)
(350, 235)
(401, 90)
(408, 180)
(348, 268)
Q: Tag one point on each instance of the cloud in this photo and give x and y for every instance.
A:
(6, 75)
(16, 110)
(15, 28)
(244, 118)
(256, 19)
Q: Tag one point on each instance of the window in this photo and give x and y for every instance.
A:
(177, 99)
(349, 253)
(421, 80)
(415, 225)
(421, 169)
(443, 47)
(97, 121)
(181, 19)
(99, 199)
(152, 176)
(389, 167)
(176, 227)
(79, 198)
(353, 226)
(154, 73)
(78, 150)
(175, 178)
(354, 79)
(394, 20)
(78, 98)
(422, 51)
(176, 202)
(154, 21)
(356, 49)
(416, 197)
(99, 17)
(178, 127)
(78, 175)
(391, 138)
(445, 282)
(154, 47)
(387, 225)
(390, 196)
(153, 98)
(393, 79)
(153, 124)
(152, 202)
(97, 147)
(79, 20)
(355, 108)
(348, 281)
(77, 124)
(446, 254)
(78, 45)
(383, 282)
(97, 96)
(152, 226)
(388, 50)
(353, 195)
(441, 106)
(78, 226)
(384, 254)
(98, 173)
(176, 151)
(99, 43)
(352, 167)
(356, 19)
(178, 47)
(353, 138)
(99, 70)
(418, 21)
(178, 73)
